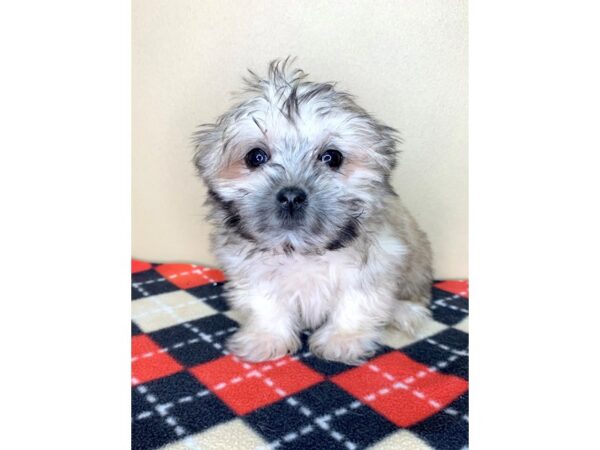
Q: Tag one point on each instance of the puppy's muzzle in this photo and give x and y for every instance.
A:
(292, 200)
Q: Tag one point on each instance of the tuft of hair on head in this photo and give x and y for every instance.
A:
(281, 72)
(279, 86)
(280, 75)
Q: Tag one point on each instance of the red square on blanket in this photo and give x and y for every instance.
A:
(139, 266)
(246, 387)
(149, 361)
(186, 276)
(400, 389)
(458, 287)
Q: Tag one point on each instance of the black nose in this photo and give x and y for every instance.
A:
(291, 198)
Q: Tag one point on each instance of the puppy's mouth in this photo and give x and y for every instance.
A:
(291, 220)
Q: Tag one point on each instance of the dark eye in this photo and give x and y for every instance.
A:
(256, 157)
(332, 158)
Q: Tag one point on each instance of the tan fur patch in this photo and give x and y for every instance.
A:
(235, 170)
(351, 165)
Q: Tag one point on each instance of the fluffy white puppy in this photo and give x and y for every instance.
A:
(308, 228)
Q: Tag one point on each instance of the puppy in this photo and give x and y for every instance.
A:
(308, 228)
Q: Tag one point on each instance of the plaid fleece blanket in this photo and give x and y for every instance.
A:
(188, 392)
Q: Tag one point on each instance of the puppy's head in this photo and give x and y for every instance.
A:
(296, 165)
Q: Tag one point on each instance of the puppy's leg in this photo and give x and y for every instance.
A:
(354, 328)
(414, 283)
(414, 292)
(269, 331)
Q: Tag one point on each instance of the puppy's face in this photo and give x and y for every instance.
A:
(296, 166)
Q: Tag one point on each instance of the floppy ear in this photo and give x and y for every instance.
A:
(387, 147)
(207, 144)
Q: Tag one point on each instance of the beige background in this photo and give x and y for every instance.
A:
(405, 60)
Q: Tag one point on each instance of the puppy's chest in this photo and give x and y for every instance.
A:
(310, 283)
(300, 275)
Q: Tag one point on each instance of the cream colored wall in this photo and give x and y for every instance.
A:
(405, 60)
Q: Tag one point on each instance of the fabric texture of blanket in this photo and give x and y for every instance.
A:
(188, 392)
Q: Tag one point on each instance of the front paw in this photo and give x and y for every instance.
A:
(348, 348)
(410, 316)
(258, 346)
